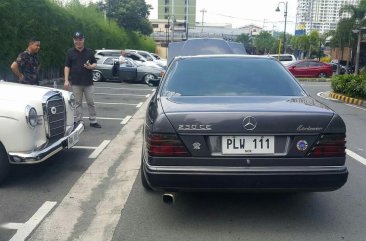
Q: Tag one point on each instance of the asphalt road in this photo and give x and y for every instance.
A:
(338, 215)
(29, 187)
(101, 198)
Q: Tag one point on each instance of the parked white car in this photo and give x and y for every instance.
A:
(284, 58)
(36, 123)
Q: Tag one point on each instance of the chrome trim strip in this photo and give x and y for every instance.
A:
(244, 170)
(41, 155)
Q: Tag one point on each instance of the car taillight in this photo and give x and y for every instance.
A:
(166, 145)
(329, 146)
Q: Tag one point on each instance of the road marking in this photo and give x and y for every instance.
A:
(84, 147)
(139, 105)
(122, 88)
(104, 118)
(103, 188)
(356, 156)
(147, 96)
(106, 103)
(99, 149)
(12, 225)
(354, 106)
(119, 94)
(27, 228)
(126, 119)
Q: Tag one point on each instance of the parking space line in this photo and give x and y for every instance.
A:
(27, 228)
(99, 149)
(106, 103)
(355, 106)
(119, 94)
(104, 118)
(147, 96)
(126, 119)
(139, 105)
(84, 147)
(12, 225)
(122, 88)
(356, 156)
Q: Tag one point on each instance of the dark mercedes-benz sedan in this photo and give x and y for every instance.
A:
(236, 122)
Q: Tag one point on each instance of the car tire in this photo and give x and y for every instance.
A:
(4, 163)
(322, 75)
(148, 77)
(97, 76)
(144, 181)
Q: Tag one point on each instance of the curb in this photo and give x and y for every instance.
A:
(315, 79)
(347, 99)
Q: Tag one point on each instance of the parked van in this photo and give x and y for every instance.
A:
(284, 58)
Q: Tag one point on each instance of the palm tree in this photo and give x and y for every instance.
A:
(357, 20)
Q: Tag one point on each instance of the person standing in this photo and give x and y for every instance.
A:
(122, 58)
(79, 63)
(27, 64)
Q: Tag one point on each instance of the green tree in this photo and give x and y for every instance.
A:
(265, 42)
(131, 15)
(247, 40)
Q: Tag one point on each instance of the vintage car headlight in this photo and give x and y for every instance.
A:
(72, 101)
(31, 116)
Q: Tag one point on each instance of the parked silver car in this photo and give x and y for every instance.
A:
(130, 72)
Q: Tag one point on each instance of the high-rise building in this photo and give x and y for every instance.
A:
(319, 15)
(184, 10)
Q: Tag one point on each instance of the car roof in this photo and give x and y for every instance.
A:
(203, 46)
(227, 56)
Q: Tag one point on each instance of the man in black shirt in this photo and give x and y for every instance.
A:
(80, 62)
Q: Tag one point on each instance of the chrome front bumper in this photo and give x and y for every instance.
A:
(50, 149)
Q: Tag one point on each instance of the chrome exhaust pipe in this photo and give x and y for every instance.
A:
(169, 198)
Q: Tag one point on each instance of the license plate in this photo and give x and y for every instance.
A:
(247, 145)
(72, 139)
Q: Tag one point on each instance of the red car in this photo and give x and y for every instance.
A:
(310, 68)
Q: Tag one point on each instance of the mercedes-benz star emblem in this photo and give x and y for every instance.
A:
(53, 110)
(249, 123)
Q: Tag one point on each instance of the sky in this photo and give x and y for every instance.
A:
(243, 12)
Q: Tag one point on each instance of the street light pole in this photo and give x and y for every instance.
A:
(358, 31)
(285, 15)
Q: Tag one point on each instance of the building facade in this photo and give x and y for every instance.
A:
(319, 15)
(173, 10)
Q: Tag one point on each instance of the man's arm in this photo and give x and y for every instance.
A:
(66, 74)
(15, 68)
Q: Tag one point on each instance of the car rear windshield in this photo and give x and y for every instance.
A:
(222, 76)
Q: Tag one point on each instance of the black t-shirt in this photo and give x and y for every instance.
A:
(75, 60)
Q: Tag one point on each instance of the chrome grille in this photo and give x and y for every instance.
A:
(55, 115)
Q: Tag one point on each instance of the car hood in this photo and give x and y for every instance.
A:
(226, 114)
(21, 93)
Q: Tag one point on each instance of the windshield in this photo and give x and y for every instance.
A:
(221, 76)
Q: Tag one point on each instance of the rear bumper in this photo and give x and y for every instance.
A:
(245, 178)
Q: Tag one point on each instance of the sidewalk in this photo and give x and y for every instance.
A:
(347, 99)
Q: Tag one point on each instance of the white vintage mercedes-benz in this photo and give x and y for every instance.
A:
(35, 123)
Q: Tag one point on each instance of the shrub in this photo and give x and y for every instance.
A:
(350, 85)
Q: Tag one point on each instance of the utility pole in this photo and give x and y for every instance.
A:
(173, 21)
(187, 15)
(203, 11)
